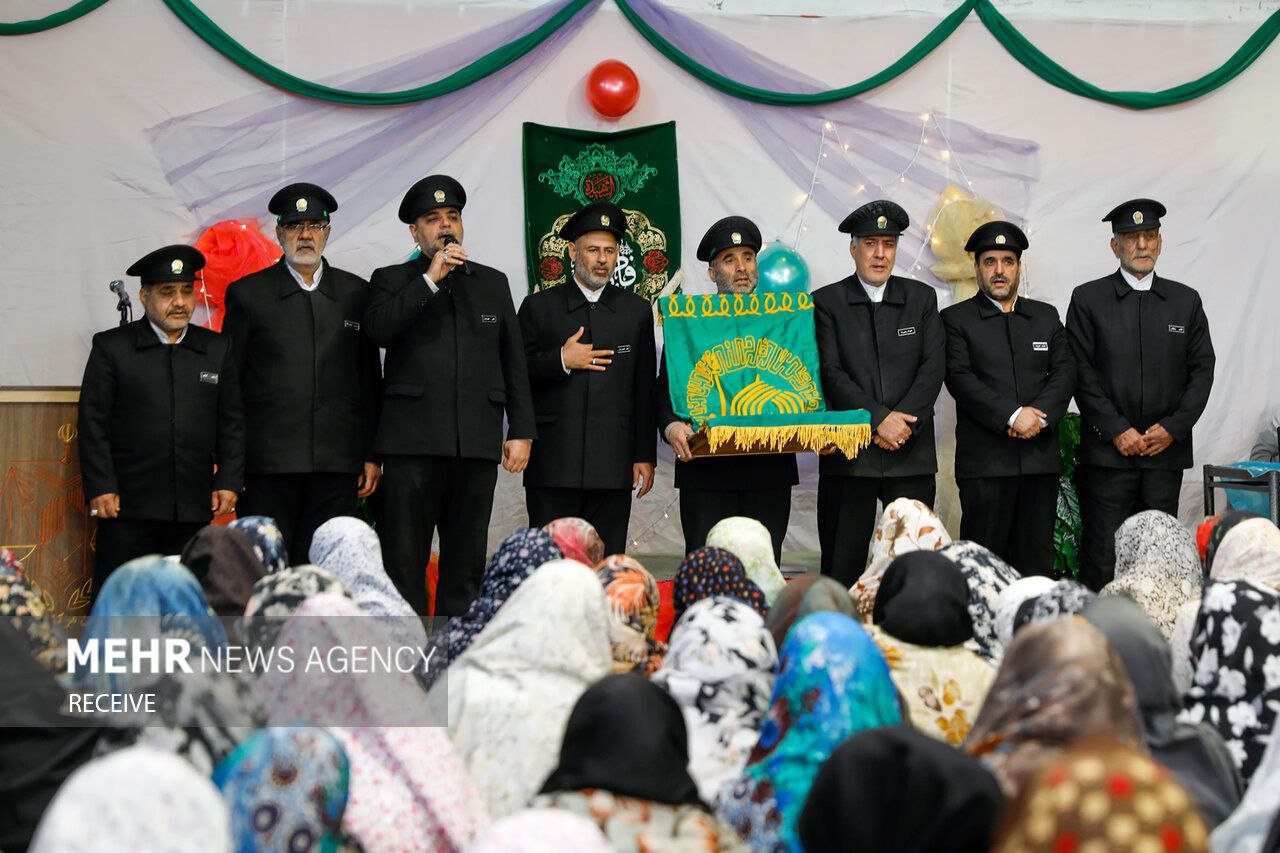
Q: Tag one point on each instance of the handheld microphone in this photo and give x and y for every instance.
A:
(449, 239)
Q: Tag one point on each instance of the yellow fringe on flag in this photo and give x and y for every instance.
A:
(847, 438)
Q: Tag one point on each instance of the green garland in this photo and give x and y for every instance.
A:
(1018, 46)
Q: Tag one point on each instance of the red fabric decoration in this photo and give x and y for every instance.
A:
(433, 578)
(666, 610)
(232, 249)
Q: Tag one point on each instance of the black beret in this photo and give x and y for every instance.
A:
(600, 216)
(172, 263)
(726, 234)
(1139, 214)
(997, 235)
(302, 202)
(429, 193)
(880, 218)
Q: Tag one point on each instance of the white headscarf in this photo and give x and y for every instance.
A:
(511, 692)
(1011, 598)
(750, 541)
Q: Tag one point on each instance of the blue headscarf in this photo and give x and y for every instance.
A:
(268, 542)
(148, 598)
(833, 682)
(286, 788)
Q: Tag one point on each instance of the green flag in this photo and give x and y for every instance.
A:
(744, 369)
(565, 170)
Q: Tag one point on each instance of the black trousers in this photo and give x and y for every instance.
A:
(702, 509)
(608, 510)
(421, 494)
(299, 503)
(120, 540)
(1013, 517)
(1108, 496)
(847, 517)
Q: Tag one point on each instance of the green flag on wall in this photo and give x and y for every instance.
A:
(565, 170)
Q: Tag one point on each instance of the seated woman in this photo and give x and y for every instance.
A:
(623, 765)
(905, 525)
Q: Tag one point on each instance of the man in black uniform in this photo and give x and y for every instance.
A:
(1144, 364)
(1010, 369)
(159, 408)
(713, 488)
(882, 348)
(590, 351)
(455, 362)
(310, 378)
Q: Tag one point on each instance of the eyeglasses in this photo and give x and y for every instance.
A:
(299, 227)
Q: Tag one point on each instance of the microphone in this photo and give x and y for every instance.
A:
(117, 287)
(123, 304)
(449, 239)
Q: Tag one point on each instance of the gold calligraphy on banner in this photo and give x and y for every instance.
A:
(796, 391)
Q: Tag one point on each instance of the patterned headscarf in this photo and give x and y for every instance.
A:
(543, 830)
(1105, 795)
(350, 549)
(1219, 532)
(710, 571)
(135, 799)
(987, 576)
(720, 671)
(633, 599)
(1011, 599)
(577, 540)
(276, 597)
(809, 593)
(268, 541)
(286, 789)
(519, 555)
(906, 525)
(750, 541)
(1064, 598)
(1059, 681)
(22, 603)
(833, 683)
(1235, 654)
(1157, 566)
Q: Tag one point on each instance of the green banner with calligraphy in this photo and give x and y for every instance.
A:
(565, 170)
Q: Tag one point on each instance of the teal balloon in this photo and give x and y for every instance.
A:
(782, 270)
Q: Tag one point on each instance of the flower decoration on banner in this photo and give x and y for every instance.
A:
(782, 269)
(955, 216)
(612, 88)
(232, 249)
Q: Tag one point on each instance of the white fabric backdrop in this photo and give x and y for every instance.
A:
(82, 195)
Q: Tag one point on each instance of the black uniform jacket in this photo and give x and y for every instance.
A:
(592, 426)
(155, 419)
(1141, 359)
(310, 378)
(997, 362)
(747, 472)
(885, 358)
(454, 362)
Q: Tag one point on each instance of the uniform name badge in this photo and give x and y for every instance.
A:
(1177, 330)
(208, 377)
(623, 349)
(907, 332)
(488, 318)
(1039, 346)
(351, 324)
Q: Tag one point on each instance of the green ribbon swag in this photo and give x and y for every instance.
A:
(744, 370)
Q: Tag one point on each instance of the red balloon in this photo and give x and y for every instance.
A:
(612, 88)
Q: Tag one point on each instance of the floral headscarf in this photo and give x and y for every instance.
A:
(1010, 601)
(1059, 681)
(632, 596)
(1064, 598)
(577, 540)
(1235, 653)
(906, 525)
(833, 683)
(286, 789)
(987, 576)
(710, 571)
(750, 541)
(268, 542)
(1157, 566)
(22, 603)
(276, 596)
(720, 670)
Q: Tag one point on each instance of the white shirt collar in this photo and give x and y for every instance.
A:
(996, 303)
(297, 276)
(591, 295)
(164, 339)
(1133, 281)
(875, 294)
